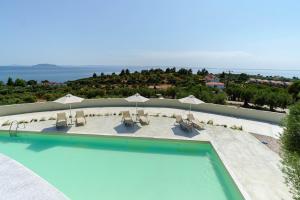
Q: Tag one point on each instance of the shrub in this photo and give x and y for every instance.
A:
(6, 123)
(220, 98)
(23, 122)
(29, 99)
(210, 122)
(33, 120)
(291, 150)
(234, 127)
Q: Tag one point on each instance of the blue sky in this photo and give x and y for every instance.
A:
(205, 33)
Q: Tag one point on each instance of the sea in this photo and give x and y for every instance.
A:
(62, 74)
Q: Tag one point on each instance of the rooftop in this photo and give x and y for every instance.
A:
(215, 83)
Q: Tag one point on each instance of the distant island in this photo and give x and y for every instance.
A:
(45, 66)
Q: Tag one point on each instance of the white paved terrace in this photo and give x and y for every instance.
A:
(254, 168)
(19, 183)
(251, 126)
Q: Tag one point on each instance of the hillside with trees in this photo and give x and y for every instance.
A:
(168, 83)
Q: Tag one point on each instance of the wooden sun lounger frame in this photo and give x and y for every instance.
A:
(184, 124)
(80, 115)
(195, 122)
(61, 120)
(143, 117)
(127, 119)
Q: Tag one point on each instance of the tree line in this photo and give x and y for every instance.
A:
(169, 83)
(260, 95)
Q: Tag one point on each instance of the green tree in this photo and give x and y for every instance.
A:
(50, 97)
(10, 82)
(294, 89)
(45, 82)
(284, 99)
(20, 82)
(184, 71)
(171, 92)
(272, 100)
(32, 82)
(291, 150)
(92, 93)
(243, 78)
(234, 91)
(202, 72)
(29, 99)
(247, 94)
(220, 98)
(206, 96)
(260, 98)
(122, 73)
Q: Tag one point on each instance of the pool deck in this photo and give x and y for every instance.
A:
(19, 183)
(253, 166)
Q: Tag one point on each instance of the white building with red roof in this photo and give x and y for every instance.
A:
(213, 81)
(215, 85)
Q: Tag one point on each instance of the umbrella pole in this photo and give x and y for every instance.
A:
(135, 111)
(190, 108)
(71, 113)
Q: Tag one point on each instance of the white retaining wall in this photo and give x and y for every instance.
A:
(258, 115)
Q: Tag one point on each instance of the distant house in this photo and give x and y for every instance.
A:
(48, 83)
(211, 78)
(213, 81)
(218, 85)
(161, 86)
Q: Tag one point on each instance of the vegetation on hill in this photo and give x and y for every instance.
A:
(259, 95)
(169, 83)
(291, 150)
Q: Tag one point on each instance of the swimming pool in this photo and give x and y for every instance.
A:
(110, 168)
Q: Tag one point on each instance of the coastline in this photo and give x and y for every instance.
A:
(66, 72)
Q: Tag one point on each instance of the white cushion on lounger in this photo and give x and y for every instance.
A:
(80, 121)
(144, 120)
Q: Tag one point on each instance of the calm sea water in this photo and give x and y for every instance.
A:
(62, 74)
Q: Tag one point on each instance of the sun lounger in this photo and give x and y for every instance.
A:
(80, 119)
(196, 123)
(61, 120)
(178, 119)
(186, 125)
(142, 117)
(127, 119)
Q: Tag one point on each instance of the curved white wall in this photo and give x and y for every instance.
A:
(258, 115)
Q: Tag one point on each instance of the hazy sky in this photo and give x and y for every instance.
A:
(206, 33)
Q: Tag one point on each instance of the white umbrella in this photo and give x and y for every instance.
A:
(191, 100)
(69, 99)
(137, 98)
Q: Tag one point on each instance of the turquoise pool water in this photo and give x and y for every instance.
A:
(112, 168)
